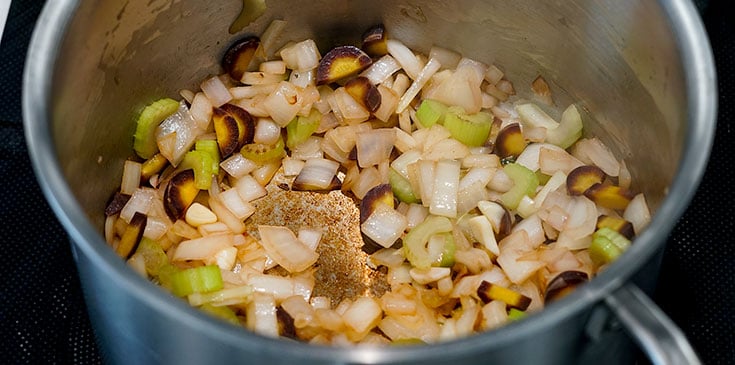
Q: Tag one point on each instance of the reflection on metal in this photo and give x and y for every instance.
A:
(251, 10)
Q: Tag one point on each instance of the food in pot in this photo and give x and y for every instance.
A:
(372, 195)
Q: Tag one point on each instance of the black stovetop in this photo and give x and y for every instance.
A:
(42, 314)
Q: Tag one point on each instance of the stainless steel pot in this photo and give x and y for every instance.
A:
(643, 69)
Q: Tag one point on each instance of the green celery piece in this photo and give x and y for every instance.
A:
(617, 239)
(153, 255)
(569, 129)
(470, 129)
(144, 142)
(525, 182)
(201, 162)
(401, 187)
(262, 154)
(603, 251)
(447, 258)
(301, 128)
(516, 314)
(210, 146)
(221, 312)
(166, 274)
(202, 279)
(431, 112)
(414, 243)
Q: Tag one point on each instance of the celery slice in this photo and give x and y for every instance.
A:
(211, 147)
(415, 241)
(202, 164)
(516, 314)
(401, 187)
(607, 245)
(261, 154)
(525, 183)
(569, 129)
(431, 112)
(222, 312)
(144, 142)
(301, 128)
(201, 279)
(470, 129)
(447, 257)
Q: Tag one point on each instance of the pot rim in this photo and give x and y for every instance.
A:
(700, 79)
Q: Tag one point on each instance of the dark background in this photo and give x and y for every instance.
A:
(42, 314)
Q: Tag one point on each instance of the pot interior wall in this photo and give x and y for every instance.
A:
(616, 59)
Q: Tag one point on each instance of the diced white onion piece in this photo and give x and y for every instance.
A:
(494, 213)
(251, 91)
(600, 155)
(238, 166)
(385, 225)
(494, 314)
(176, 134)
(449, 148)
(310, 148)
(468, 196)
(301, 56)
(197, 215)
(444, 196)
(273, 67)
(285, 248)
(201, 110)
(266, 131)
(224, 215)
(303, 78)
(300, 310)
(130, 177)
(493, 74)
(481, 160)
(188, 95)
(292, 166)
(388, 103)
(422, 78)
(449, 59)
(405, 57)
(249, 189)
(368, 179)
(534, 230)
(310, 237)
(279, 287)
(374, 146)
(239, 208)
(479, 69)
(400, 163)
(460, 89)
(156, 227)
(516, 269)
(532, 115)
(389, 257)
(283, 103)
(351, 110)
(216, 91)
(500, 182)
(261, 315)
(475, 175)
(265, 173)
(381, 70)
(213, 228)
(482, 230)
(225, 258)
(429, 275)
(363, 314)
(637, 213)
(401, 84)
(141, 201)
(202, 248)
(404, 141)
(553, 159)
(318, 172)
(530, 156)
(331, 148)
(624, 178)
(556, 181)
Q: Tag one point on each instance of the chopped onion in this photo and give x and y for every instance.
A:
(351, 110)
(176, 134)
(363, 314)
(553, 159)
(381, 70)
(310, 237)
(251, 91)
(130, 177)
(249, 189)
(401, 84)
(637, 213)
(261, 315)
(301, 56)
(317, 173)
(239, 208)
(267, 131)
(310, 148)
(421, 79)
(405, 57)
(202, 248)
(461, 89)
(216, 91)
(292, 166)
(374, 146)
(388, 103)
(201, 110)
(444, 195)
(493, 74)
(599, 154)
(140, 202)
(385, 225)
(283, 103)
(429, 275)
(238, 166)
(448, 59)
(278, 286)
(368, 179)
(285, 248)
(260, 78)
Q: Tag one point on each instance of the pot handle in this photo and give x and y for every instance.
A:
(661, 340)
